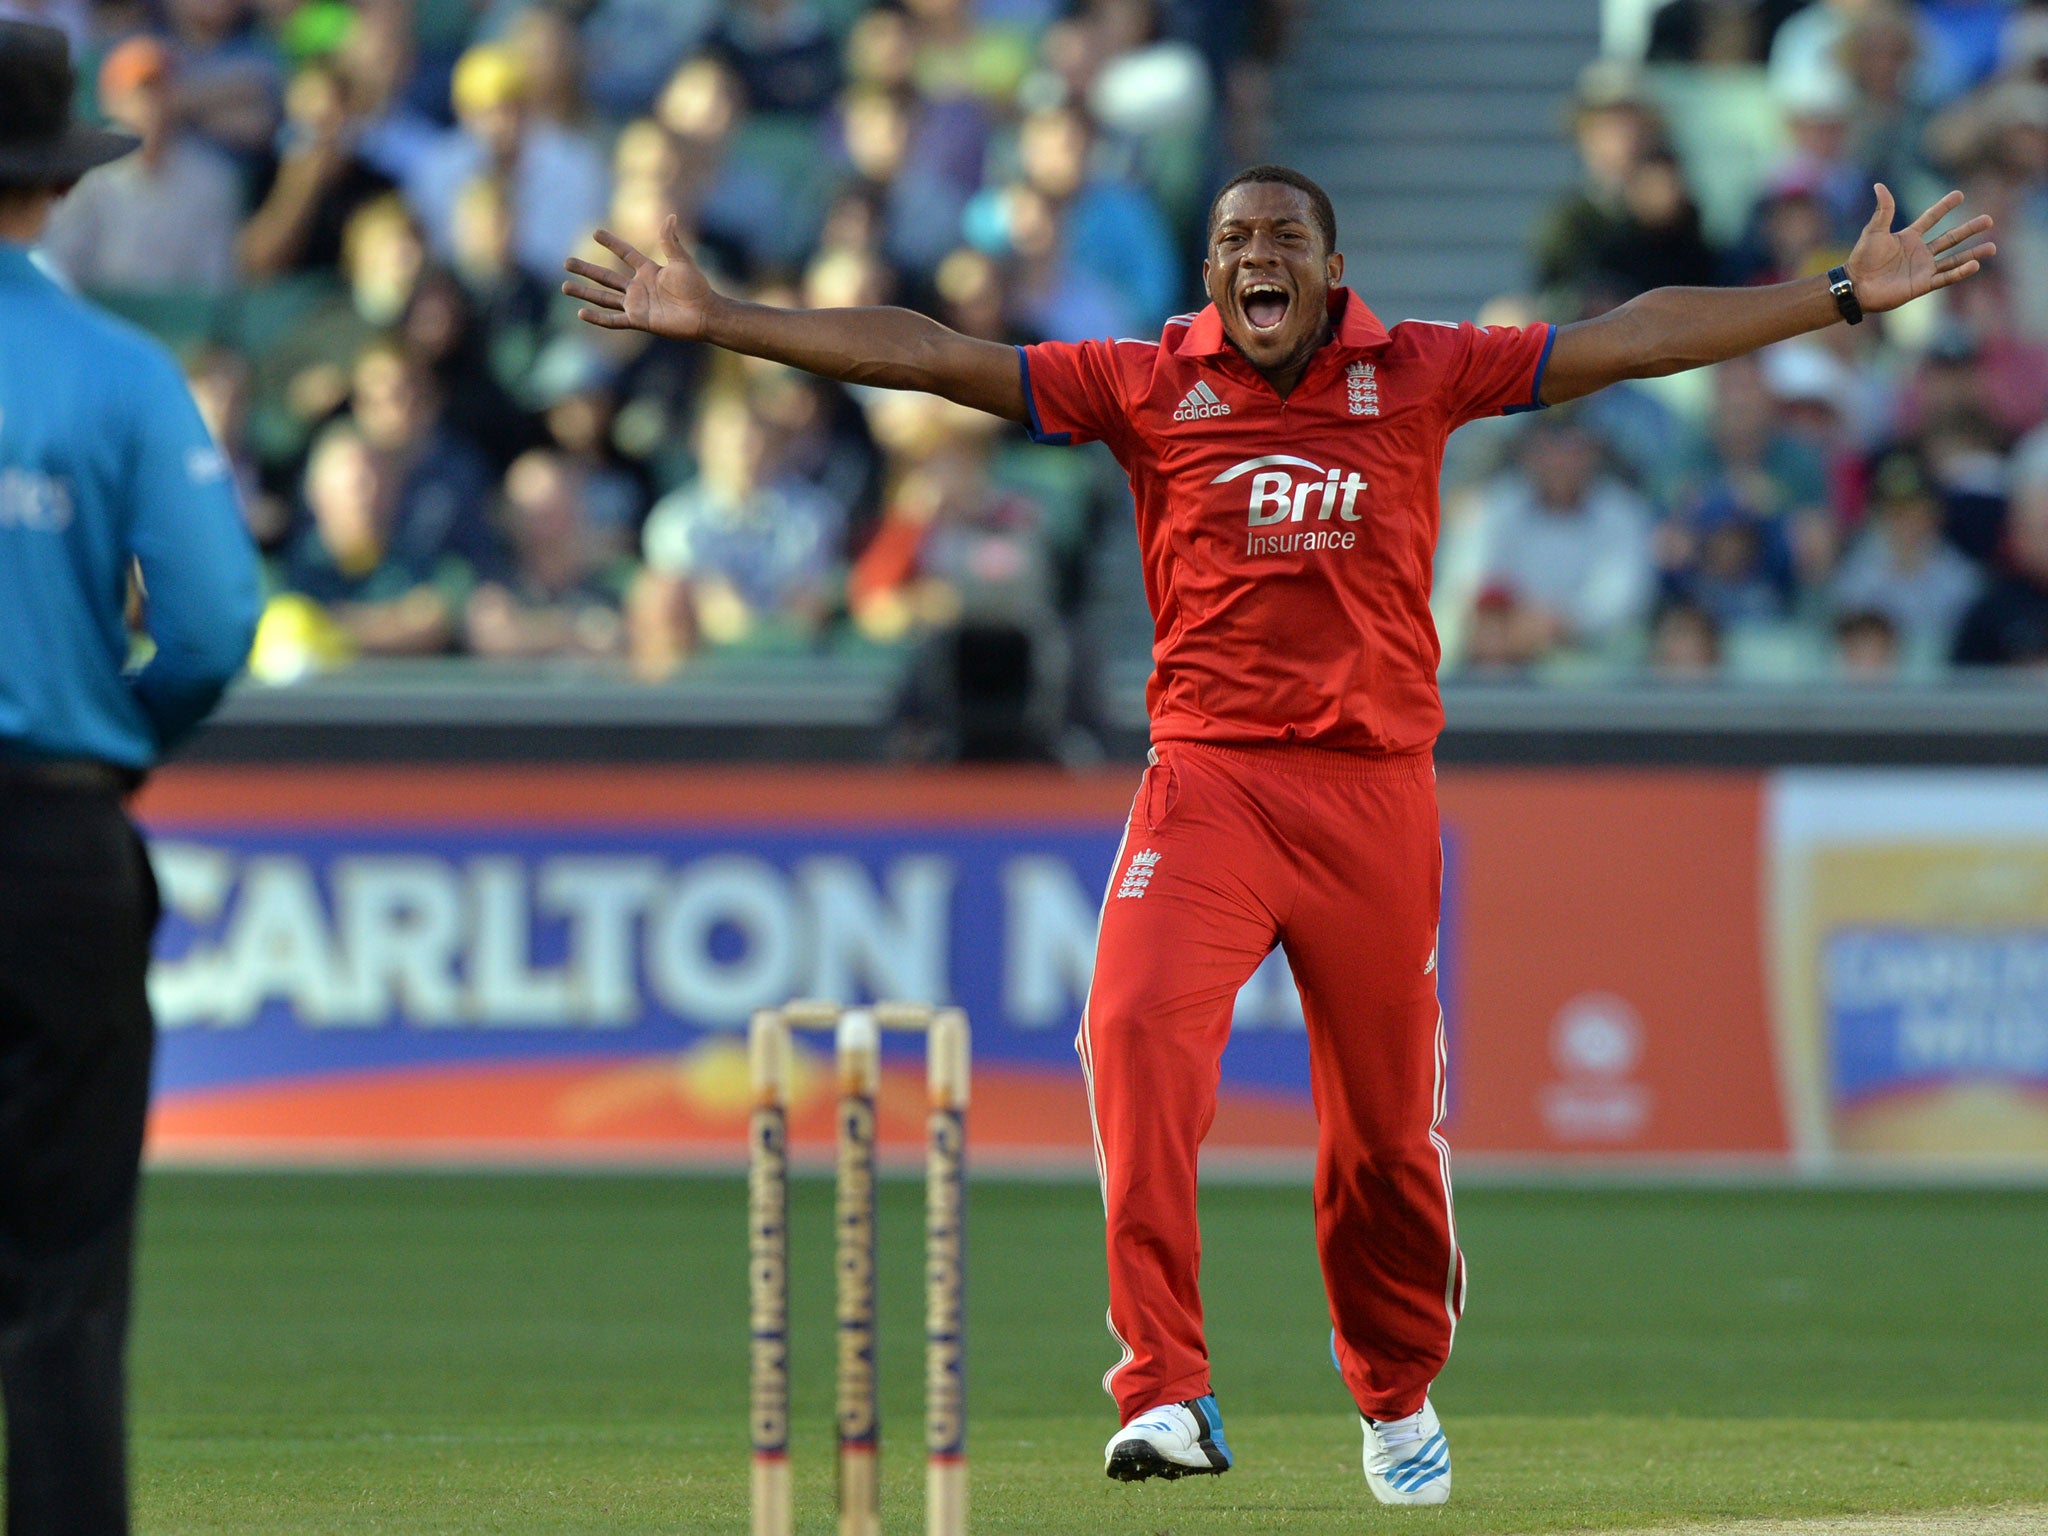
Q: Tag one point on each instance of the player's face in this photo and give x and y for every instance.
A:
(1269, 275)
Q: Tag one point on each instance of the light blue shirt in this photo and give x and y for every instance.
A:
(103, 459)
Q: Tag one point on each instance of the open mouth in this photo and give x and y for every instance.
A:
(1265, 306)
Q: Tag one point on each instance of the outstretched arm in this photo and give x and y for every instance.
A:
(1668, 330)
(891, 348)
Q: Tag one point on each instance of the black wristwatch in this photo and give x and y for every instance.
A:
(1844, 293)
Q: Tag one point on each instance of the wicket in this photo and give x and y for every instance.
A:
(857, 1033)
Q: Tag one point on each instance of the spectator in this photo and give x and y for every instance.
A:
(1867, 646)
(219, 377)
(1567, 544)
(781, 50)
(1792, 234)
(1685, 642)
(550, 53)
(1726, 570)
(557, 179)
(1966, 456)
(2008, 625)
(1497, 643)
(632, 46)
(321, 181)
(576, 389)
(163, 219)
(1655, 240)
(1901, 568)
(733, 553)
(973, 297)
(2020, 160)
(1810, 390)
(1614, 130)
(377, 60)
(819, 438)
(739, 209)
(473, 372)
(392, 587)
(228, 80)
(439, 482)
(1153, 93)
(1820, 161)
(2023, 50)
(563, 594)
(952, 546)
(1717, 31)
(918, 161)
(958, 55)
(510, 304)
(1889, 120)
(1756, 473)
(1981, 364)
(1812, 50)
(1058, 220)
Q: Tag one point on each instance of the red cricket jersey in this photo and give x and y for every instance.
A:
(1288, 543)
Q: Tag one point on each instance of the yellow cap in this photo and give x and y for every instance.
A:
(489, 75)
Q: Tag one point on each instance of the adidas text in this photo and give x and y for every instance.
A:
(1199, 404)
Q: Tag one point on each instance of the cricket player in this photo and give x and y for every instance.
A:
(105, 469)
(1284, 446)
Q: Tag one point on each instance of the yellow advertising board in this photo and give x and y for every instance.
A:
(1910, 928)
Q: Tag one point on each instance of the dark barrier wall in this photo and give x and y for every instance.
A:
(832, 713)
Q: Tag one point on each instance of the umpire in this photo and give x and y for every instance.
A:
(106, 471)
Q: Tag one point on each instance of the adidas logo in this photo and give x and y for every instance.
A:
(1200, 404)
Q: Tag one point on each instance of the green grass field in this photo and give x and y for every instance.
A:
(523, 1354)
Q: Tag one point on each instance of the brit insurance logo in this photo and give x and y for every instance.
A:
(1200, 403)
(1285, 489)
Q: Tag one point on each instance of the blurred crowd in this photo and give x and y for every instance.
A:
(1869, 502)
(351, 215)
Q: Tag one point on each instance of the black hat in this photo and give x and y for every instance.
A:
(39, 144)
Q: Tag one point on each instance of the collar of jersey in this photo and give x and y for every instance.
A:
(1358, 328)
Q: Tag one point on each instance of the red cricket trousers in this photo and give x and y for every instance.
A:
(1335, 857)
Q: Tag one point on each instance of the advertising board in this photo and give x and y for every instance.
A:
(554, 963)
(1911, 928)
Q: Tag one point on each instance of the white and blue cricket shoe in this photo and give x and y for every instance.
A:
(1174, 1440)
(1408, 1461)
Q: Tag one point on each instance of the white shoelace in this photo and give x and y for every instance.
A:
(1395, 1433)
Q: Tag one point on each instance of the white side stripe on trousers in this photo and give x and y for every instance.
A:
(1084, 1047)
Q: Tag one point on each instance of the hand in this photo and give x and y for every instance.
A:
(673, 300)
(1893, 269)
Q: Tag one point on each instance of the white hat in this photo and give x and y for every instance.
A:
(1796, 370)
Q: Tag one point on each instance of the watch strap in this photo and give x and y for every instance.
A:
(1843, 290)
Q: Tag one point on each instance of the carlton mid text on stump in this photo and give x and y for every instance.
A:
(858, 1033)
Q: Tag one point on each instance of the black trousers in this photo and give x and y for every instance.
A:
(77, 908)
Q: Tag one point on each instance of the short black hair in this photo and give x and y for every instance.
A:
(1319, 207)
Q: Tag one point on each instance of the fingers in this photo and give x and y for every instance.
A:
(1936, 214)
(622, 250)
(605, 319)
(1881, 219)
(602, 275)
(1949, 239)
(1950, 278)
(1969, 258)
(594, 293)
(672, 238)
